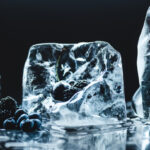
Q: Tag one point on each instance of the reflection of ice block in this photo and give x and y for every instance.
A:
(143, 65)
(73, 140)
(115, 140)
(87, 77)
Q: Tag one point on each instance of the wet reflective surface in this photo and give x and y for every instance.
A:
(133, 135)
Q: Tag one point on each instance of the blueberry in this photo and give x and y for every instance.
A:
(37, 123)
(35, 116)
(27, 125)
(9, 123)
(21, 124)
(22, 117)
(19, 112)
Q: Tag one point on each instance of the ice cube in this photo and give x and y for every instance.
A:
(86, 78)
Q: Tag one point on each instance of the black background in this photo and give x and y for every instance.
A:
(27, 22)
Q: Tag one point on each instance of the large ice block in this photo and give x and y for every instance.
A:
(86, 78)
(142, 96)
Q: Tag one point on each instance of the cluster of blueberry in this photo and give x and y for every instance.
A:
(22, 120)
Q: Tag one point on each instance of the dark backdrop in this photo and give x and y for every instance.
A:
(26, 22)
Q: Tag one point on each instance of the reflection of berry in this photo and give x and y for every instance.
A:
(9, 123)
(8, 107)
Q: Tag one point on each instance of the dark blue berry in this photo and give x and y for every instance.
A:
(9, 123)
(19, 112)
(27, 125)
(22, 117)
(37, 123)
(35, 116)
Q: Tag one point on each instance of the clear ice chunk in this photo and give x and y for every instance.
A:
(142, 97)
(85, 78)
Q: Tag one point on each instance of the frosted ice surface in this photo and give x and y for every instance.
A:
(142, 96)
(85, 78)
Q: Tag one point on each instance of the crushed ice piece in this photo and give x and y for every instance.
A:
(89, 74)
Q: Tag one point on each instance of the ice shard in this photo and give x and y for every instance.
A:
(142, 96)
(86, 78)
